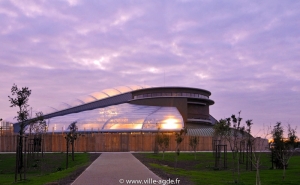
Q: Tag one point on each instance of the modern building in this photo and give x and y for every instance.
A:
(134, 109)
(129, 118)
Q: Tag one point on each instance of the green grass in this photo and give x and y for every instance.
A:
(50, 168)
(202, 170)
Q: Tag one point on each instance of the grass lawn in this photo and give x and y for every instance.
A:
(201, 171)
(50, 168)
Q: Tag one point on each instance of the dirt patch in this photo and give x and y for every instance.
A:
(69, 179)
(166, 176)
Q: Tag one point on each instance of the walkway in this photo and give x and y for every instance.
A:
(115, 168)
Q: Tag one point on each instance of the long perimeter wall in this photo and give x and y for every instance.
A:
(106, 142)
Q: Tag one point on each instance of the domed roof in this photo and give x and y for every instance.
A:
(95, 96)
(121, 117)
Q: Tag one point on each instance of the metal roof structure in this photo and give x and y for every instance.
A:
(208, 131)
(92, 97)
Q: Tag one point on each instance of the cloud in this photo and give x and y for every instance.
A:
(244, 52)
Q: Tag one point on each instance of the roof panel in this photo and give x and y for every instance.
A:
(62, 106)
(111, 92)
(123, 89)
(76, 102)
(145, 86)
(135, 87)
(99, 95)
(87, 98)
(47, 110)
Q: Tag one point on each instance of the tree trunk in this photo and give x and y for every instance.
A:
(72, 151)
(233, 166)
(238, 166)
(283, 175)
(20, 156)
(67, 154)
(257, 175)
(25, 158)
(176, 159)
(17, 160)
(42, 144)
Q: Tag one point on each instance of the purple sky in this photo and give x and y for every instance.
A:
(245, 52)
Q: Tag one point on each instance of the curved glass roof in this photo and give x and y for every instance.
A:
(98, 95)
(106, 93)
(123, 117)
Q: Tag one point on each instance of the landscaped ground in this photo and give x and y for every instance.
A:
(190, 171)
(201, 171)
(50, 168)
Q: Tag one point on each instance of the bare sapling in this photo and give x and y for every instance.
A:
(193, 142)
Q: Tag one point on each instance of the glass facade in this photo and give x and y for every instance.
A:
(123, 117)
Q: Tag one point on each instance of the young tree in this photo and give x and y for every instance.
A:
(193, 142)
(292, 138)
(222, 130)
(179, 138)
(38, 126)
(20, 98)
(248, 130)
(284, 148)
(157, 141)
(163, 142)
(71, 137)
(237, 134)
(259, 144)
(278, 145)
(249, 144)
(67, 153)
(21, 101)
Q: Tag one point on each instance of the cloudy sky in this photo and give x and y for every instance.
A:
(247, 53)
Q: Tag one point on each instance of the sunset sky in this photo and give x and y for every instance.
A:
(247, 53)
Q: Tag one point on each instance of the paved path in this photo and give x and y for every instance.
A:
(113, 168)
